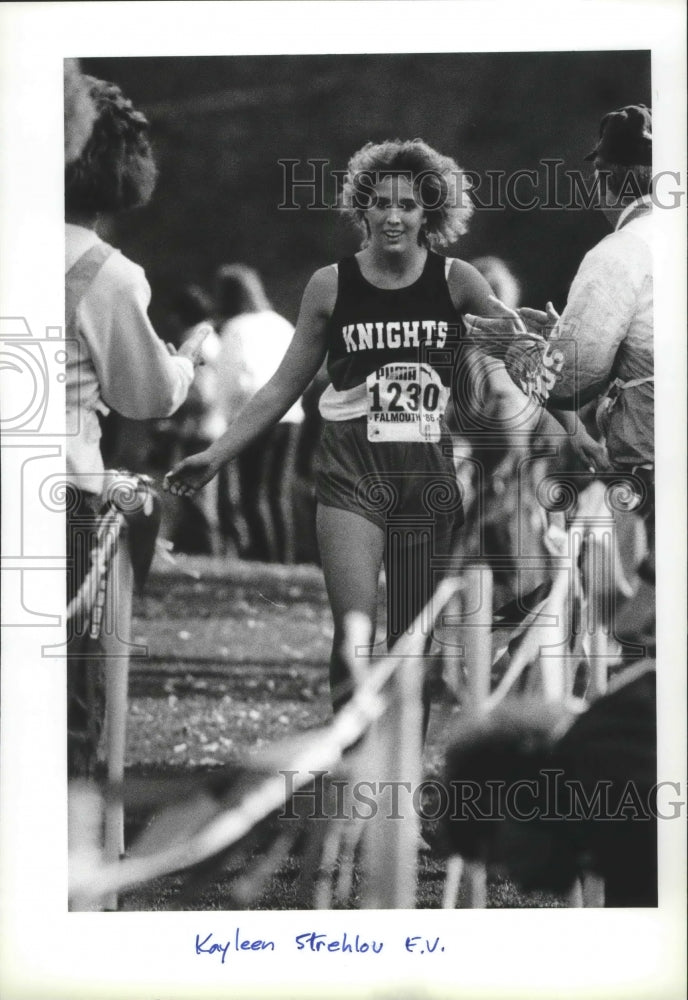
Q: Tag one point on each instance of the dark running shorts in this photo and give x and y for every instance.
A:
(388, 482)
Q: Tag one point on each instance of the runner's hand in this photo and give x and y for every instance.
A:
(504, 321)
(189, 476)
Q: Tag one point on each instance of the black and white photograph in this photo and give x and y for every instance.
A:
(343, 529)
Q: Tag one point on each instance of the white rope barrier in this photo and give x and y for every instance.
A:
(322, 750)
(385, 710)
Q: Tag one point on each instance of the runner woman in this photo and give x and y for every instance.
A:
(387, 319)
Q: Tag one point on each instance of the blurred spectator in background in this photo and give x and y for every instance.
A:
(114, 357)
(500, 278)
(195, 425)
(253, 340)
(309, 436)
(312, 423)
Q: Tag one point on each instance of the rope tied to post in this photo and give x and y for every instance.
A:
(127, 499)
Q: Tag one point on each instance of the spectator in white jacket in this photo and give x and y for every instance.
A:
(601, 347)
(114, 357)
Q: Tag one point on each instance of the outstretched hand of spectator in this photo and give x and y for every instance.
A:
(193, 345)
(538, 321)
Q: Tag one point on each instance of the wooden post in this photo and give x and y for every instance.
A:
(575, 895)
(452, 651)
(116, 639)
(593, 890)
(452, 881)
(477, 641)
(553, 660)
(478, 636)
(599, 579)
(394, 754)
(598, 573)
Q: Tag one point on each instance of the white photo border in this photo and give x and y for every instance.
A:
(47, 952)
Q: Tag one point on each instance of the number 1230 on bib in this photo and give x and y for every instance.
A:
(406, 402)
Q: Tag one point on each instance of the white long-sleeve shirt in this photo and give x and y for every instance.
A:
(606, 332)
(115, 359)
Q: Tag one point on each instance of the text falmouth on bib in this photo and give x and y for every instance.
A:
(406, 402)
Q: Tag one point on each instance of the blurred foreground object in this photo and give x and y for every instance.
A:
(585, 799)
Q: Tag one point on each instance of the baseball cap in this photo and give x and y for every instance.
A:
(625, 137)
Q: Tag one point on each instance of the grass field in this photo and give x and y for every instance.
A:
(237, 660)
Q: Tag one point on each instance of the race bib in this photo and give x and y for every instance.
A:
(406, 402)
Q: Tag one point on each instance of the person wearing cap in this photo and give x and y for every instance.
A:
(602, 344)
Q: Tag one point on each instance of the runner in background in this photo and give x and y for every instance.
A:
(256, 505)
(197, 423)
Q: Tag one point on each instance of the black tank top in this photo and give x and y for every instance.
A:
(371, 327)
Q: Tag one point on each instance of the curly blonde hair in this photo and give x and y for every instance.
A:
(439, 184)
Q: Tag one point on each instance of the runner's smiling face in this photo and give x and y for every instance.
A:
(394, 217)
